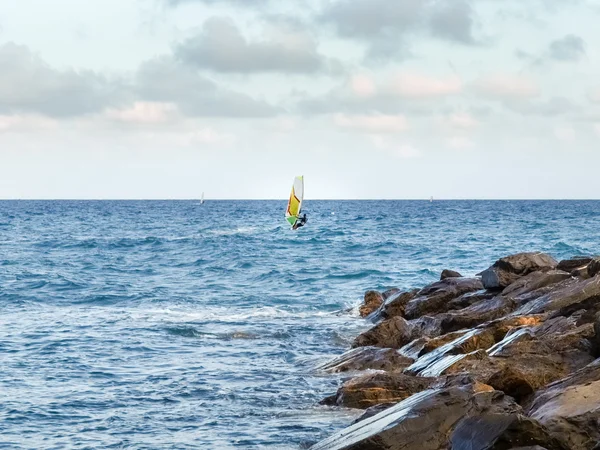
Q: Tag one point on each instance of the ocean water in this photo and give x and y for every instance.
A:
(170, 324)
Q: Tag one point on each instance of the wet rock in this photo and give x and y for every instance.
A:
(373, 410)
(424, 421)
(502, 431)
(595, 340)
(427, 326)
(469, 299)
(377, 388)
(391, 333)
(507, 270)
(367, 358)
(570, 408)
(449, 274)
(532, 284)
(568, 265)
(477, 314)
(435, 297)
(593, 267)
(372, 301)
(568, 297)
(393, 306)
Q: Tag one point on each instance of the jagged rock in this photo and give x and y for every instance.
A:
(424, 421)
(595, 340)
(581, 272)
(426, 326)
(507, 270)
(570, 408)
(435, 297)
(568, 265)
(365, 358)
(392, 333)
(449, 274)
(476, 314)
(372, 410)
(377, 388)
(512, 382)
(501, 431)
(568, 297)
(529, 286)
(593, 267)
(469, 299)
(393, 305)
(372, 301)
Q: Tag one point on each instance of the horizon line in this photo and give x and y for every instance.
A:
(285, 199)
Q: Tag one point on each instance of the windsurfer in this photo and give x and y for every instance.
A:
(300, 222)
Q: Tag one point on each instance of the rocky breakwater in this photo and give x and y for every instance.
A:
(503, 360)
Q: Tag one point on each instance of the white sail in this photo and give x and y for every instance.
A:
(202, 198)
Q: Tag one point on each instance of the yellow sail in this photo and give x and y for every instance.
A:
(294, 205)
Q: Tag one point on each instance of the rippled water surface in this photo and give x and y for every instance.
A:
(169, 324)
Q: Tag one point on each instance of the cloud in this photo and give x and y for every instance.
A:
(221, 47)
(554, 106)
(144, 113)
(387, 25)
(462, 121)
(564, 133)
(374, 123)
(29, 85)
(398, 94)
(568, 48)
(248, 3)
(594, 95)
(165, 80)
(399, 150)
(506, 87)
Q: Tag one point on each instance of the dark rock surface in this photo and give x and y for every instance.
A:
(507, 270)
(391, 333)
(367, 358)
(593, 268)
(568, 265)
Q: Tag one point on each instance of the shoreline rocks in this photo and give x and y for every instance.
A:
(503, 360)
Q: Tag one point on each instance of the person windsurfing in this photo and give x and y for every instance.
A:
(300, 222)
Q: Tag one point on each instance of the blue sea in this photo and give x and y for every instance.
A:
(175, 325)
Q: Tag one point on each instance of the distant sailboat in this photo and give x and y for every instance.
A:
(431, 199)
(202, 199)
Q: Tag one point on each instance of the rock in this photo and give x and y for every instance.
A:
(394, 305)
(477, 314)
(593, 267)
(367, 358)
(435, 297)
(581, 272)
(427, 420)
(570, 408)
(469, 299)
(507, 270)
(391, 333)
(449, 274)
(371, 411)
(502, 431)
(529, 286)
(377, 388)
(387, 294)
(568, 297)
(512, 382)
(372, 301)
(568, 265)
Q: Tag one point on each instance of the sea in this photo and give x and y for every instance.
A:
(176, 325)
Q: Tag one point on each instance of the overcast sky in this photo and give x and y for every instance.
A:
(365, 98)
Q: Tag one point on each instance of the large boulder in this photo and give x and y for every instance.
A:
(434, 419)
(507, 270)
(534, 285)
(570, 408)
(372, 301)
(435, 298)
(367, 358)
(477, 314)
(593, 268)
(391, 333)
(378, 388)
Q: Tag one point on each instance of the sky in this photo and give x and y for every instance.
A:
(368, 99)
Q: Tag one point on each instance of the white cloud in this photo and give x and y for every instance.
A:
(375, 123)
(564, 133)
(393, 148)
(149, 113)
(417, 86)
(462, 121)
(507, 86)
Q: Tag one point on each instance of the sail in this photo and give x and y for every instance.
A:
(202, 198)
(294, 205)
